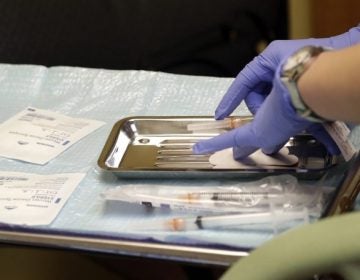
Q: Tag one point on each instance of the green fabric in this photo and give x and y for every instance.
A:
(325, 246)
(350, 271)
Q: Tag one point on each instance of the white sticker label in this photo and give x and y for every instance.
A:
(339, 132)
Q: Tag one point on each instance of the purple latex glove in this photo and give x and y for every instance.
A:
(259, 85)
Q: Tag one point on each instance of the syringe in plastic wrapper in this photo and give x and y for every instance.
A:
(227, 123)
(257, 197)
(273, 220)
(173, 200)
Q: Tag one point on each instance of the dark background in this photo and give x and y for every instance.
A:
(198, 37)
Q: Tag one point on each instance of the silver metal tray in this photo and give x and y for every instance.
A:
(158, 147)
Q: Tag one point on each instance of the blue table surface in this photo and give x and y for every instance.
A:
(109, 96)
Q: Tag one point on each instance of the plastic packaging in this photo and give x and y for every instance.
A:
(280, 192)
(275, 220)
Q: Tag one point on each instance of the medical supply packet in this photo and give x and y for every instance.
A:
(32, 199)
(37, 136)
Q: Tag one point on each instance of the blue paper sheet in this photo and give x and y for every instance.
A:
(108, 96)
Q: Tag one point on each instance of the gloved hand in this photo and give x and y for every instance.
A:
(259, 85)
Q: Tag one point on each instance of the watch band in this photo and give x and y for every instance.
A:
(291, 75)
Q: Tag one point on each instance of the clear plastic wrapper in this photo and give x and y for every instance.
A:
(274, 220)
(269, 202)
(281, 191)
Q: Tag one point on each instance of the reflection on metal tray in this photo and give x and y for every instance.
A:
(162, 147)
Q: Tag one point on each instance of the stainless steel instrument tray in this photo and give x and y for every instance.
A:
(158, 147)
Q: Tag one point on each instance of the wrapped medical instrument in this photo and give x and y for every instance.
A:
(275, 192)
(274, 220)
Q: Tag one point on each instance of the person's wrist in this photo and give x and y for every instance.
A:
(308, 88)
(292, 70)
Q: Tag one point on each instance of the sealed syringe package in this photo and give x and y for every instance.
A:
(274, 202)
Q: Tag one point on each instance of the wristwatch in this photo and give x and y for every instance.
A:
(293, 68)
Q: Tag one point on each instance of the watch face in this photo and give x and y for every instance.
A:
(296, 59)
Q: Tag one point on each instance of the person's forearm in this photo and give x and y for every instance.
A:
(331, 86)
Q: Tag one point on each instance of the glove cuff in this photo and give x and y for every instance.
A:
(347, 39)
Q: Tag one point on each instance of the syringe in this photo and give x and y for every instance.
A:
(187, 201)
(272, 219)
(242, 198)
(213, 200)
(227, 123)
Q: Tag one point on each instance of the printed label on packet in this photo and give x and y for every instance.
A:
(340, 133)
(33, 199)
(37, 136)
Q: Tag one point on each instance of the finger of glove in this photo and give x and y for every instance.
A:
(346, 39)
(239, 90)
(319, 132)
(245, 142)
(239, 153)
(217, 143)
(242, 138)
(272, 150)
(254, 101)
